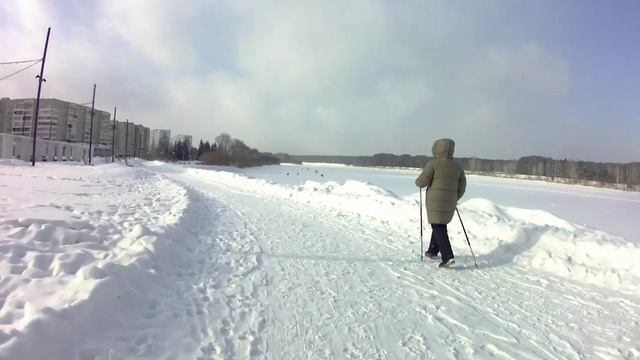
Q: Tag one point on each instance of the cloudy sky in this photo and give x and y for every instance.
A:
(557, 78)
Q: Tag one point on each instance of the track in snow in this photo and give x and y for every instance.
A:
(274, 278)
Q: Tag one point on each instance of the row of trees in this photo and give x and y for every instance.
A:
(569, 170)
(579, 170)
(205, 147)
(226, 150)
(183, 151)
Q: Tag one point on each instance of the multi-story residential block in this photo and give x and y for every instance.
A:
(146, 136)
(69, 124)
(57, 120)
(138, 138)
(101, 121)
(124, 139)
(106, 128)
(160, 142)
(4, 114)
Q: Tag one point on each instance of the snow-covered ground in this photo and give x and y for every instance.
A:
(161, 261)
(609, 210)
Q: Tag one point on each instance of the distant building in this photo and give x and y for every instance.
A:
(160, 142)
(66, 122)
(21, 147)
(146, 136)
(57, 120)
(141, 136)
(4, 114)
(102, 120)
(184, 139)
(125, 138)
(130, 141)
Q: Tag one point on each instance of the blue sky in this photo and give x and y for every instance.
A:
(503, 78)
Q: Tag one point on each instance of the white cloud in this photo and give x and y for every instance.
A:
(309, 77)
(154, 28)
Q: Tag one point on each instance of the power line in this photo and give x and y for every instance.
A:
(19, 71)
(18, 62)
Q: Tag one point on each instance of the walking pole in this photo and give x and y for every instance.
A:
(465, 235)
(421, 246)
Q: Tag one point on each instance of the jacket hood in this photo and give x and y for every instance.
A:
(443, 148)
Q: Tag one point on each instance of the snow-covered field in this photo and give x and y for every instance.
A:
(161, 261)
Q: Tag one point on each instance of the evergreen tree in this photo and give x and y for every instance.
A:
(185, 151)
(180, 150)
(200, 149)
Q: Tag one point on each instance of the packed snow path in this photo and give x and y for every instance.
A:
(303, 282)
(252, 269)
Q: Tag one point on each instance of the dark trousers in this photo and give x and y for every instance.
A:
(440, 242)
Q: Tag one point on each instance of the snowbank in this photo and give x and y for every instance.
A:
(539, 240)
(78, 254)
(500, 235)
(350, 188)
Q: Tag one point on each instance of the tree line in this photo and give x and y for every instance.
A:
(225, 150)
(572, 171)
(183, 151)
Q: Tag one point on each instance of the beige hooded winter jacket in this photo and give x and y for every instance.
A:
(445, 180)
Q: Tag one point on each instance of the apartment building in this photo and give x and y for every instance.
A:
(146, 138)
(62, 125)
(57, 120)
(4, 113)
(160, 144)
(124, 139)
(131, 140)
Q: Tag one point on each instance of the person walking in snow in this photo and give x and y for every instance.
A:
(445, 182)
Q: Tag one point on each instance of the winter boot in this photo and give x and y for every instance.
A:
(447, 264)
(430, 255)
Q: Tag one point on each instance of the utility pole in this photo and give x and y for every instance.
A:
(40, 78)
(126, 140)
(139, 144)
(93, 102)
(135, 140)
(113, 134)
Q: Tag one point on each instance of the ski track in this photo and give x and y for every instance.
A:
(336, 286)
